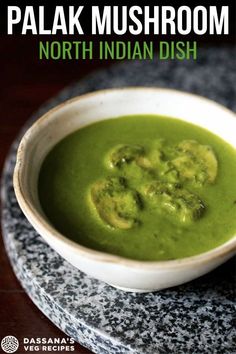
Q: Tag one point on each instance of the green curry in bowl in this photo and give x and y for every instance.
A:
(144, 187)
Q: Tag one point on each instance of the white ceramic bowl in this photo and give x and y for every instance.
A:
(120, 272)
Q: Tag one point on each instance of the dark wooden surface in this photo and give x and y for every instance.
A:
(25, 84)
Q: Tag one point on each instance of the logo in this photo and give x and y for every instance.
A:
(9, 344)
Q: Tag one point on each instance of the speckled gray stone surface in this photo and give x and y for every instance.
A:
(195, 318)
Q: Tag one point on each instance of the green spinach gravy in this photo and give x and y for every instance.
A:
(143, 187)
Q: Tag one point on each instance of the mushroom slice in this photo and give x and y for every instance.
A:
(116, 203)
(195, 162)
(124, 154)
(174, 200)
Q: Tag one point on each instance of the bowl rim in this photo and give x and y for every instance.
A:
(51, 233)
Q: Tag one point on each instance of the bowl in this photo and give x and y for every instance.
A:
(123, 273)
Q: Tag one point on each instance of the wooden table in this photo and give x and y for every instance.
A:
(25, 84)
